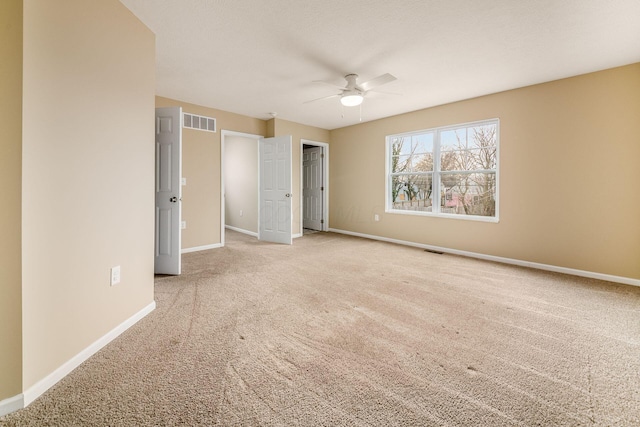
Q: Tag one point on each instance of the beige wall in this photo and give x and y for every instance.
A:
(569, 172)
(10, 215)
(88, 177)
(298, 132)
(241, 182)
(271, 124)
(201, 166)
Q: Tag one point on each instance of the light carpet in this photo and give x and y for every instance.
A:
(342, 331)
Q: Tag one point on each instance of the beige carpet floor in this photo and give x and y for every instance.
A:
(343, 331)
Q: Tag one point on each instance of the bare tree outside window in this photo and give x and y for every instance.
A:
(468, 166)
(463, 180)
(412, 172)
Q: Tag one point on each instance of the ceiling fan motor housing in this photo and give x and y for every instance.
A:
(351, 81)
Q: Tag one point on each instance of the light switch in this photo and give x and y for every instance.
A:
(115, 275)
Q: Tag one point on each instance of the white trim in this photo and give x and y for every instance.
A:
(242, 134)
(201, 248)
(521, 263)
(260, 143)
(50, 380)
(11, 404)
(242, 230)
(295, 236)
(492, 219)
(325, 182)
(223, 195)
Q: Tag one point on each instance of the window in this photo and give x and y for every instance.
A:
(450, 171)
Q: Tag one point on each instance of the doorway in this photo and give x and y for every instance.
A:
(240, 180)
(314, 184)
(256, 186)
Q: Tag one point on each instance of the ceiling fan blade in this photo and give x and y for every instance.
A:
(378, 81)
(324, 97)
(385, 92)
(327, 83)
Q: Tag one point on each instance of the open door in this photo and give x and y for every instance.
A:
(168, 190)
(275, 190)
(312, 188)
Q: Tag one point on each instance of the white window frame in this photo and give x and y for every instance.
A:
(436, 172)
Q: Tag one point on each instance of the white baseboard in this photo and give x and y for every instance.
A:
(46, 383)
(242, 230)
(11, 404)
(547, 267)
(201, 248)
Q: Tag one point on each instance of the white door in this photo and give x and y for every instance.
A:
(168, 189)
(275, 190)
(312, 188)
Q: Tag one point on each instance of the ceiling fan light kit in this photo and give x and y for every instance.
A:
(351, 99)
(353, 93)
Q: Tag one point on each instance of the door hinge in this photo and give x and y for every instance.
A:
(322, 156)
(322, 221)
(321, 188)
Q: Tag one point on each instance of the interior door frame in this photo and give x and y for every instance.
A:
(223, 135)
(325, 183)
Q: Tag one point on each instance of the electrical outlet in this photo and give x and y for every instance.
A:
(240, 212)
(183, 224)
(376, 217)
(184, 181)
(115, 275)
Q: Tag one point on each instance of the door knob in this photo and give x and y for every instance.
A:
(288, 195)
(173, 199)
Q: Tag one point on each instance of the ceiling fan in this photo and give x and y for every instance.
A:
(353, 93)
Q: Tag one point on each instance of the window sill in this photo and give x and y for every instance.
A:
(491, 219)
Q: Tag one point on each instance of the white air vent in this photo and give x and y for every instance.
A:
(193, 121)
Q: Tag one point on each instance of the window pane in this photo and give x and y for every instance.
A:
(453, 139)
(480, 136)
(422, 143)
(467, 160)
(411, 192)
(401, 145)
(484, 140)
(479, 152)
(400, 164)
(457, 160)
(468, 194)
(422, 162)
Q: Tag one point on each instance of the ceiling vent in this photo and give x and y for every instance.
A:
(193, 121)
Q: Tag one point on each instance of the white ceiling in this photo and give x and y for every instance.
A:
(254, 57)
